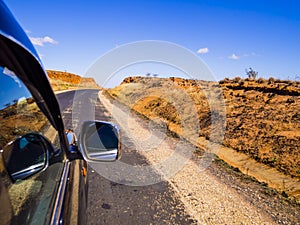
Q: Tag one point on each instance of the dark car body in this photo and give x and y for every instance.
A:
(41, 181)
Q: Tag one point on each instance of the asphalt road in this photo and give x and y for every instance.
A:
(113, 203)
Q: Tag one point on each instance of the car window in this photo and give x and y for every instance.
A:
(29, 200)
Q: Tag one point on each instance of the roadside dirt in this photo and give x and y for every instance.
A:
(212, 192)
(241, 121)
(65, 81)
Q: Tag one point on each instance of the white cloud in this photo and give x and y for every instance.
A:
(40, 41)
(251, 54)
(203, 51)
(234, 56)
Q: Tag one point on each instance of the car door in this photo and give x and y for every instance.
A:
(38, 184)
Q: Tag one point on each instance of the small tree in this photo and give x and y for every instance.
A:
(251, 74)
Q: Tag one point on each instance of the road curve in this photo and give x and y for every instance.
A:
(218, 195)
(114, 203)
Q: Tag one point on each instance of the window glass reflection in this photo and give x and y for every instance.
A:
(29, 198)
(19, 114)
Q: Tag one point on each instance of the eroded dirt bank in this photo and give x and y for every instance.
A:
(259, 119)
(211, 193)
(64, 81)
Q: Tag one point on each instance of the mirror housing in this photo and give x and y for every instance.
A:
(99, 141)
(25, 156)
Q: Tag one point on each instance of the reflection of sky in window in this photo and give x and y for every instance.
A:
(12, 89)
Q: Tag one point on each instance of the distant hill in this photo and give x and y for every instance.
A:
(63, 81)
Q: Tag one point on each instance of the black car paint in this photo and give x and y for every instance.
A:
(19, 55)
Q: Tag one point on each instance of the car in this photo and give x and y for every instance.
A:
(41, 180)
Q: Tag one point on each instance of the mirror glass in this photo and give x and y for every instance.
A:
(25, 156)
(100, 141)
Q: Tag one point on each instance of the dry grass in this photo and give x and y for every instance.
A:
(259, 118)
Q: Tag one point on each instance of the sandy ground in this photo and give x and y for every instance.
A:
(210, 195)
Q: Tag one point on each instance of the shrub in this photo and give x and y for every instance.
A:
(271, 80)
(237, 79)
(261, 80)
(252, 74)
(224, 81)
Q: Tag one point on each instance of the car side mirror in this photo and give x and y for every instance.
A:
(99, 141)
(25, 156)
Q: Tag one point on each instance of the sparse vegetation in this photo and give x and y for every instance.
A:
(251, 73)
(261, 80)
(255, 122)
(237, 80)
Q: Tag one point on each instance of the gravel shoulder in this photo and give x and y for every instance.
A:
(211, 191)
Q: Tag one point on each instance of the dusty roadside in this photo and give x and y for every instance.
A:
(216, 195)
(239, 120)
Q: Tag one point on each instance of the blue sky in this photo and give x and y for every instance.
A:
(229, 36)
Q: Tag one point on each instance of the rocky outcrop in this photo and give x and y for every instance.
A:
(64, 80)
